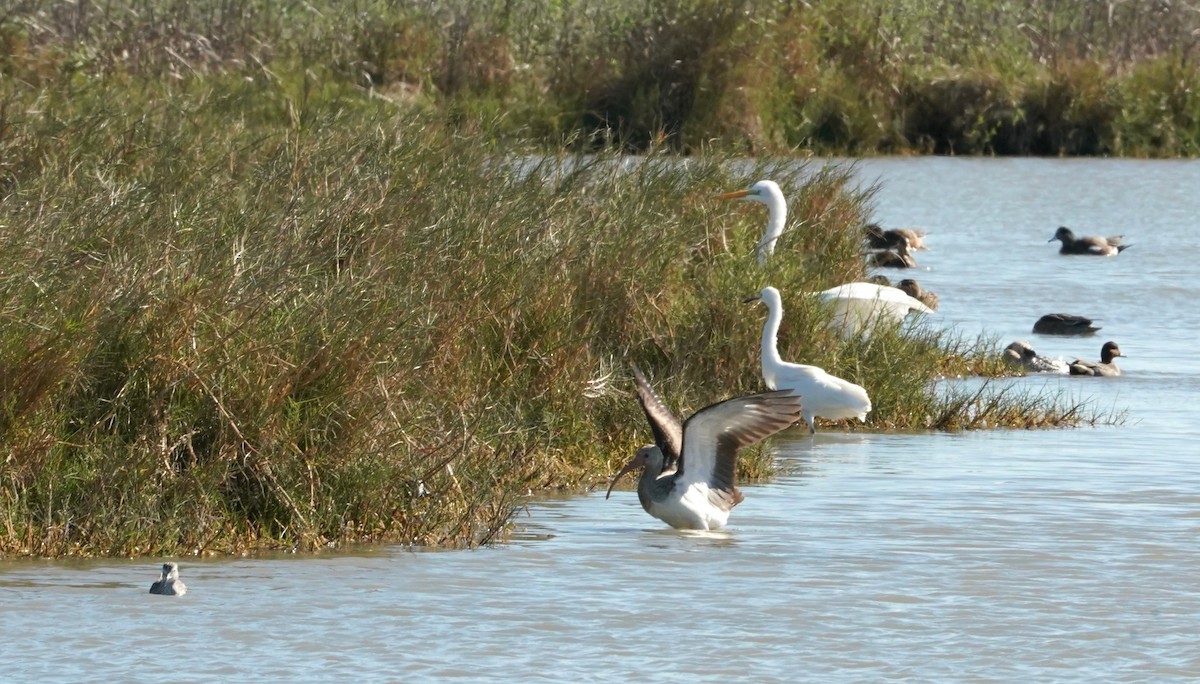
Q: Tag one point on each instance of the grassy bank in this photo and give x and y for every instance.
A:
(836, 76)
(255, 307)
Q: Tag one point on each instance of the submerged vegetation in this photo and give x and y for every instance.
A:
(246, 304)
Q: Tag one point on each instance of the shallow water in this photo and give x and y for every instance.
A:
(1065, 555)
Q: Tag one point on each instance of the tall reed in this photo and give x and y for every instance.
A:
(251, 307)
(839, 76)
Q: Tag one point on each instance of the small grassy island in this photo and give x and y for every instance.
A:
(293, 275)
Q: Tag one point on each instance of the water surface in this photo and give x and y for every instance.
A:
(1067, 555)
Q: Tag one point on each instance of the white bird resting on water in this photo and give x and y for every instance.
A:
(859, 307)
(699, 491)
(856, 306)
(825, 395)
(768, 193)
(169, 583)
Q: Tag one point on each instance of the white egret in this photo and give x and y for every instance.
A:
(700, 492)
(825, 395)
(855, 305)
(768, 193)
(858, 307)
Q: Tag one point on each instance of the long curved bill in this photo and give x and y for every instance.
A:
(633, 463)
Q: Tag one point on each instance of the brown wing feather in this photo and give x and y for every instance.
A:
(713, 436)
(666, 426)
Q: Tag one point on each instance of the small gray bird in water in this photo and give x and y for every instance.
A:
(169, 583)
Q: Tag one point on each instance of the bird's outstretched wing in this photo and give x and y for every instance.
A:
(713, 436)
(666, 426)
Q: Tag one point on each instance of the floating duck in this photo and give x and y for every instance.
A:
(1107, 366)
(1092, 245)
(1019, 354)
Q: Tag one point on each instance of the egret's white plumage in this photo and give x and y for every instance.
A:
(768, 193)
(700, 492)
(858, 307)
(824, 395)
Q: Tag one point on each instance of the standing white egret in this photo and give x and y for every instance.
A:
(858, 307)
(700, 492)
(825, 395)
(768, 193)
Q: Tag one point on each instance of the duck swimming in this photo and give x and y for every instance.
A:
(878, 238)
(913, 289)
(1106, 366)
(899, 258)
(1091, 245)
(1020, 355)
(1064, 324)
(169, 583)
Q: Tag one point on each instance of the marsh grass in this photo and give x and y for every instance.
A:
(835, 77)
(249, 307)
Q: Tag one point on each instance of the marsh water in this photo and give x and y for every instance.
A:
(1063, 555)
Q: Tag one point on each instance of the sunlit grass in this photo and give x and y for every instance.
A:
(250, 308)
(835, 77)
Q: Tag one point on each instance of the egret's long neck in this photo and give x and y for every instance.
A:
(770, 348)
(776, 218)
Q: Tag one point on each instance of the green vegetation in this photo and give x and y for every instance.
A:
(1041, 77)
(245, 304)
